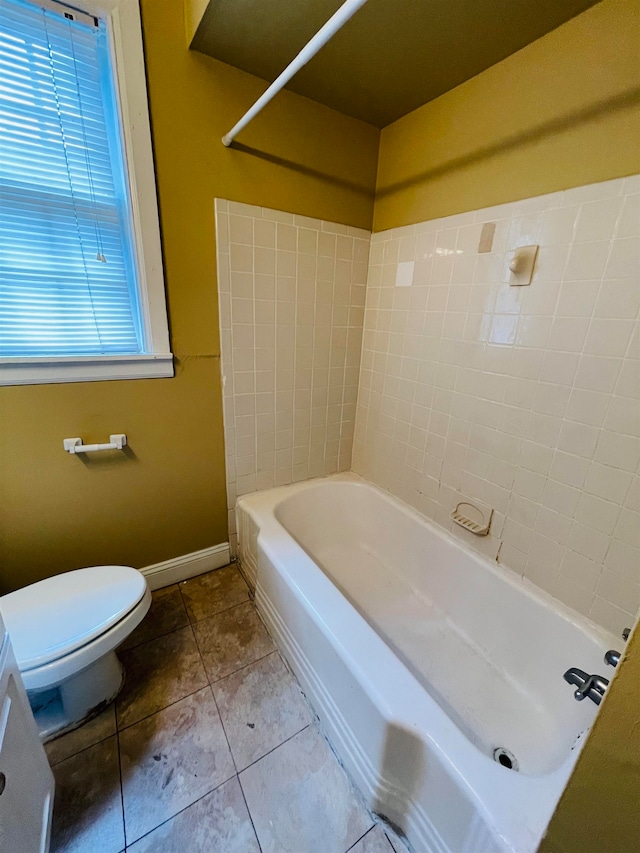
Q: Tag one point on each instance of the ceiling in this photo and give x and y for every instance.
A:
(390, 58)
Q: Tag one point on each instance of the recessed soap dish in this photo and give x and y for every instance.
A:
(472, 518)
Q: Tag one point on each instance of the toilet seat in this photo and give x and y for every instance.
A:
(62, 624)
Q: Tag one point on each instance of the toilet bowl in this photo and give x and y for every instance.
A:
(64, 631)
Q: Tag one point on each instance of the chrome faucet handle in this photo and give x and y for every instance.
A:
(589, 686)
(625, 634)
(612, 657)
(576, 676)
(594, 689)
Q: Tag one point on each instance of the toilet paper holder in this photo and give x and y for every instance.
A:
(74, 445)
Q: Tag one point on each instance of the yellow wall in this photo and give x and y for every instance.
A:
(561, 112)
(600, 808)
(167, 497)
(194, 11)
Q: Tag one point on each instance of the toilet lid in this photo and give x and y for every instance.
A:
(56, 616)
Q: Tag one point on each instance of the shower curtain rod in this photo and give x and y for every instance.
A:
(337, 20)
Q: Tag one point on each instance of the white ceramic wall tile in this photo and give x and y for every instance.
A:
(292, 295)
(525, 398)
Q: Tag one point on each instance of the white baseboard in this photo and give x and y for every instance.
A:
(188, 566)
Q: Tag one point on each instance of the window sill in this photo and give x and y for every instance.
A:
(43, 371)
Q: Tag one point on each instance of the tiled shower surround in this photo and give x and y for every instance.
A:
(525, 398)
(292, 292)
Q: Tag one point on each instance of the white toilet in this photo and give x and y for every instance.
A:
(64, 631)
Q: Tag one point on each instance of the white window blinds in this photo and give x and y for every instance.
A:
(67, 265)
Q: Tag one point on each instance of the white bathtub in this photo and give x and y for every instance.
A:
(421, 658)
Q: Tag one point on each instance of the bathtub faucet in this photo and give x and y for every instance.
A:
(593, 686)
(612, 657)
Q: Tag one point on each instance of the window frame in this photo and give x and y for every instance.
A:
(124, 26)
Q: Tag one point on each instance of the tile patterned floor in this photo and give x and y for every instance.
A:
(210, 747)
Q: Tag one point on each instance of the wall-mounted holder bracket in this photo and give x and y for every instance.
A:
(521, 264)
(74, 445)
(472, 518)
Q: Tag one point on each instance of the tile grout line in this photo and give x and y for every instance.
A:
(237, 775)
(251, 601)
(273, 749)
(190, 621)
(84, 748)
(274, 651)
(277, 652)
(164, 708)
(393, 846)
(360, 839)
(288, 668)
(383, 829)
(162, 823)
(154, 639)
(124, 821)
(170, 704)
(240, 668)
(246, 804)
(247, 600)
(193, 692)
(224, 731)
(159, 636)
(186, 696)
(182, 583)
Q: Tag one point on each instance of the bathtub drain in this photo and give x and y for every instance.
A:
(506, 758)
